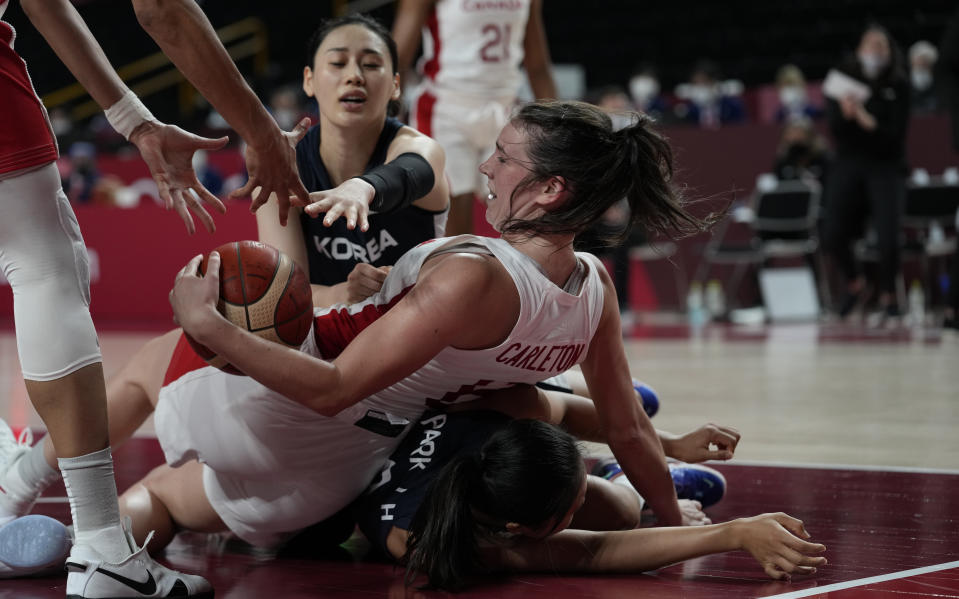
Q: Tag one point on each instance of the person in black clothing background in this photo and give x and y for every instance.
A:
(947, 78)
(868, 176)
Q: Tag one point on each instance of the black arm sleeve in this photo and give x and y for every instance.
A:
(399, 183)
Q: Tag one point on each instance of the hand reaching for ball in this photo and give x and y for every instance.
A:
(194, 297)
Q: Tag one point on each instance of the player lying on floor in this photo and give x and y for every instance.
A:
(475, 492)
(146, 501)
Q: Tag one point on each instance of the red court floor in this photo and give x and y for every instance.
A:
(874, 523)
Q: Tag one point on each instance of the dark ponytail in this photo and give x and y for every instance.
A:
(442, 541)
(601, 166)
(529, 472)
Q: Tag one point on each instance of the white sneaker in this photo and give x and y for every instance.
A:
(90, 577)
(14, 501)
(33, 545)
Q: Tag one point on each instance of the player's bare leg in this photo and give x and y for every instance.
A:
(168, 500)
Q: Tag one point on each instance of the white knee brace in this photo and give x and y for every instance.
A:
(45, 261)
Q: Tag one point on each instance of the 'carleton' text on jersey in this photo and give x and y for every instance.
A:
(542, 358)
(340, 248)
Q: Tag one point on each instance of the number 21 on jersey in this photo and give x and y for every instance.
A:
(497, 38)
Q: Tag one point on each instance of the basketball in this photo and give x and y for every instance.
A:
(263, 291)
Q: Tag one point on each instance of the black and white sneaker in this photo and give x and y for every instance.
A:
(89, 576)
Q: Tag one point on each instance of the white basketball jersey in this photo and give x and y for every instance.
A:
(475, 47)
(551, 335)
(274, 465)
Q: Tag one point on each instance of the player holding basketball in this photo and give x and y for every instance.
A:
(45, 261)
(352, 73)
(472, 53)
(464, 315)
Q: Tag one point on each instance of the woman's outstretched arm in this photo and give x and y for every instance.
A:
(777, 541)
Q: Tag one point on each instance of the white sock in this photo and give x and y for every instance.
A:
(92, 491)
(35, 471)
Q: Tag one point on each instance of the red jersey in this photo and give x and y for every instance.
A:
(26, 138)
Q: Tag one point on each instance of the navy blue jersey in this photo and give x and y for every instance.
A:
(334, 251)
(392, 500)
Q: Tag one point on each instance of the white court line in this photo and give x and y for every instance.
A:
(863, 581)
(52, 500)
(904, 469)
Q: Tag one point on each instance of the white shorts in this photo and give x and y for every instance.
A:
(466, 128)
(43, 258)
(271, 466)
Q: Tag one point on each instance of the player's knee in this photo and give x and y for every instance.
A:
(55, 333)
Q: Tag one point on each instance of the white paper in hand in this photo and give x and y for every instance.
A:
(839, 85)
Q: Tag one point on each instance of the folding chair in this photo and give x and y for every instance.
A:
(930, 210)
(782, 224)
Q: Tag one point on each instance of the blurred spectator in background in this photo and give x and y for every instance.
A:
(868, 177)
(108, 191)
(208, 175)
(286, 108)
(801, 153)
(614, 101)
(646, 93)
(947, 76)
(63, 127)
(793, 97)
(79, 173)
(922, 58)
(709, 101)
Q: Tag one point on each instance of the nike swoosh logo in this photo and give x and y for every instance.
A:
(144, 588)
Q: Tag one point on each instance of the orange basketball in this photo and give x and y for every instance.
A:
(263, 291)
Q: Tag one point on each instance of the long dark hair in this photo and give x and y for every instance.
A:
(328, 25)
(601, 166)
(529, 472)
(896, 71)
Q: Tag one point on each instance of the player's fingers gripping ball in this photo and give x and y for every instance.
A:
(263, 291)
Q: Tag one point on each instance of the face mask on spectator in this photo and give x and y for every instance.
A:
(792, 97)
(643, 88)
(921, 79)
(702, 95)
(285, 118)
(872, 64)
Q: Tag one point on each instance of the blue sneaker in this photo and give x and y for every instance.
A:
(692, 481)
(698, 482)
(648, 396)
(33, 545)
